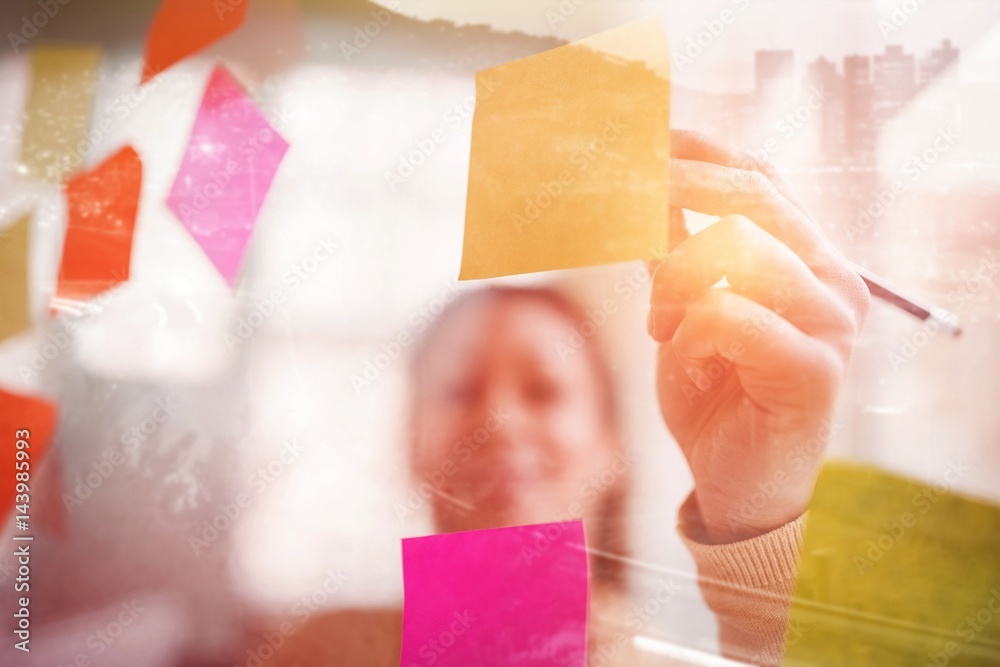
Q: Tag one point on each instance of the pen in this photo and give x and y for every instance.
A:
(880, 289)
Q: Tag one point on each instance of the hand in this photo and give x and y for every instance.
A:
(748, 375)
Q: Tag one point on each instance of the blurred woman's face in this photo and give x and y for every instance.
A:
(510, 426)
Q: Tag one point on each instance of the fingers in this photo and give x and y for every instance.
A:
(693, 146)
(677, 234)
(756, 265)
(678, 228)
(754, 341)
(722, 191)
(718, 190)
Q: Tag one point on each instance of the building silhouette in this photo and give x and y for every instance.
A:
(939, 63)
(774, 71)
(859, 99)
(871, 91)
(894, 79)
(822, 76)
(859, 108)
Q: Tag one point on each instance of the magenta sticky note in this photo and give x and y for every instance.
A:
(230, 161)
(505, 596)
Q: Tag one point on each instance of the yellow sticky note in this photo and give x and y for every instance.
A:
(63, 79)
(570, 156)
(14, 314)
(896, 572)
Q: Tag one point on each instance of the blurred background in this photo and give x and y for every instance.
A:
(302, 406)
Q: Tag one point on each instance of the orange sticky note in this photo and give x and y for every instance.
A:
(101, 208)
(570, 157)
(27, 424)
(183, 27)
(14, 310)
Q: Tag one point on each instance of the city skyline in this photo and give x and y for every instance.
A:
(819, 27)
(861, 93)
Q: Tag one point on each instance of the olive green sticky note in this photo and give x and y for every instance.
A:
(896, 572)
(63, 81)
(14, 313)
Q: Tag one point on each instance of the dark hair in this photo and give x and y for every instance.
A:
(612, 531)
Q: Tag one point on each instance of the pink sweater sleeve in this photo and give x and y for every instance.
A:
(747, 584)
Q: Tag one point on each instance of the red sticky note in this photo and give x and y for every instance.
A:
(505, 596)
(101, 208)
(23, 419)
(183, 27)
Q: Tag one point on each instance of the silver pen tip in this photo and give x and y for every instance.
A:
(948, 321)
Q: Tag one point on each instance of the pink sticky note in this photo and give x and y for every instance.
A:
(231, 159)
(506, 596)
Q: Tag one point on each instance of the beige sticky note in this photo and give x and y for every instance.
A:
(63, 79)
(570, 156)
(14, 313)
